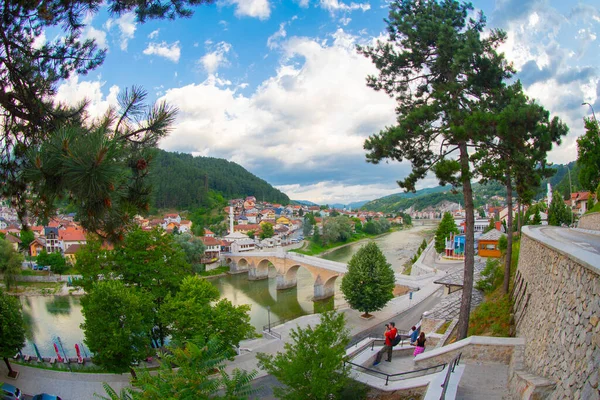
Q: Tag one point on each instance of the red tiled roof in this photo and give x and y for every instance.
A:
(73, 248)
(210, 241)
(72, 235)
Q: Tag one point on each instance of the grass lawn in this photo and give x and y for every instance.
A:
(216, 271)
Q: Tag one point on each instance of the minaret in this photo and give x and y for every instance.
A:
(230, 220)
(549, 199)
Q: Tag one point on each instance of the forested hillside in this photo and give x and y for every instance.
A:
(424, 198)
(182, 181)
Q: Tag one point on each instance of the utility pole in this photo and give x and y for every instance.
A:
(571, 194)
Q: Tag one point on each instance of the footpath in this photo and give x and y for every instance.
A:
(79, 386)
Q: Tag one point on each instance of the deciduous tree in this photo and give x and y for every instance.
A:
(195, 311)
(588, 155)
(10, 263)
(443, 75)
(118, 320)
(193, 248)
(267, 230)
(312, 364)
(12, 330)
(369, 283)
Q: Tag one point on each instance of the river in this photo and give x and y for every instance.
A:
(50, 317)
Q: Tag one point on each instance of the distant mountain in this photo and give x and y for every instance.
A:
(432, 197)
(354, 206)
(303, 203)
(183, 181)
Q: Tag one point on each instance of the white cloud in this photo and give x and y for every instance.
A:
(73, 92)
(334, 6)
(212, 61)
(260, 9)
(39, 41)
(97, 34)
(170, 51)
(273, 40)
(303, 3)
(336, 192)
(154, 34)
(127, 26)
(345, 21)
(312, 117)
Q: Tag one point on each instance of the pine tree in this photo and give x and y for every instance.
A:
(444, 75)
(558, 212)
(369, 283)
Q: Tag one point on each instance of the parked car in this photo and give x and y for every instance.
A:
(46, 396)
(10, 392)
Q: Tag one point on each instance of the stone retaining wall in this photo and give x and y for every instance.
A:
(557, 312)
(590, 221)
(474, 348)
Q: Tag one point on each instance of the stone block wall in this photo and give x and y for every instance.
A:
(477, 352)
(589, 221)
(558, 316)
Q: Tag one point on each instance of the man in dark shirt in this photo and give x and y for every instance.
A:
(390, 334)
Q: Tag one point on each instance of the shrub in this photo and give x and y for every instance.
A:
(492, 276)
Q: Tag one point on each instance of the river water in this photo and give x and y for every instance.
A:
(49, 317)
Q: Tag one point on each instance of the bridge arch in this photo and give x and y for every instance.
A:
(259, 270)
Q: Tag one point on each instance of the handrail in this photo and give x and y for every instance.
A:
(272, 333)
(402, 374)
(451, 367)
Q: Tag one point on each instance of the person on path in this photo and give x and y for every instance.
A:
(420, 348)
(414, 335)
(390, 334)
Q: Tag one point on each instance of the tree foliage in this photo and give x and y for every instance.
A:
(193, 248)
(193, 371)
(558, 212)
(369, 283)
(183, 181)
(147, 260)
(12, 329)
(267, 230)
(195, 311)
(10, 263)
(446, 77)
(118, 320)
(445, 228)
(312, 365)
(27, 236)
(337, 229)
(44, 144)
(55, 261)
(588, 155)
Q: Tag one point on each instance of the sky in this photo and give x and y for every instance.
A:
(278, 87)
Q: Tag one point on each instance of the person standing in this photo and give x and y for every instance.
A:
(420, 348)
(414, 335)
(389, 334)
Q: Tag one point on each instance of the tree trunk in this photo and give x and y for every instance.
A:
(12, 373)
(520, 217)
(509, 234)
(133, 374)
(465, 304)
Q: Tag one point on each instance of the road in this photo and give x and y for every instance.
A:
(582, 240)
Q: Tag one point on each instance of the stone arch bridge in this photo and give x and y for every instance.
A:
(324, 272)
(256, 264)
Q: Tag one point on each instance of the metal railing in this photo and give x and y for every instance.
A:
(450, 370)
(401, 375)
(271, 333)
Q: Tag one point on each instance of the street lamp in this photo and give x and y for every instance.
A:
(269, 317)
(593, 113)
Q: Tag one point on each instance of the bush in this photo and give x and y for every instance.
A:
(492, 276)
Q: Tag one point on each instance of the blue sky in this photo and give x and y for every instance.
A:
(278, 87)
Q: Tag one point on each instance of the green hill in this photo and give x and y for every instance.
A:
(424, 198)
(182, 181)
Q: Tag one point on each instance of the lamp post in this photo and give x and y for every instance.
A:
(269, 317)
(593, 113)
